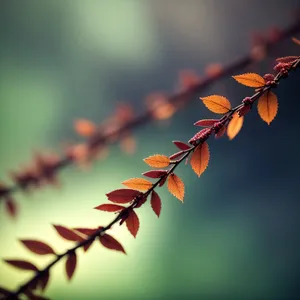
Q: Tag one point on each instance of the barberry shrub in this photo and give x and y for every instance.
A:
(163, 172)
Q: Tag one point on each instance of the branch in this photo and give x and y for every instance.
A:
(49, 166)
(197, 149)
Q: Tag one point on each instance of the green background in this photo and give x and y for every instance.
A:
(237, 234)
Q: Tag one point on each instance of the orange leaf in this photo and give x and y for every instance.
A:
(21, 264)
(132, 222)
(138, 183)
(267, 106)
(71, 264)
(296, 40)
(68, 234)
(109, 207)
(155, 203)
(250, 79)
(217, 104)
(109, 242)
(157, 161)
(235, 125)
(200, 158)
(176, 186)
(84, 127)
(38, 247)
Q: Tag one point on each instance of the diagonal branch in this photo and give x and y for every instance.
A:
(197, 140)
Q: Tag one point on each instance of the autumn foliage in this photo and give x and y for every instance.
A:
(45, 167)
(163, 172)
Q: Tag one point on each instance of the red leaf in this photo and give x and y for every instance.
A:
(86, 231)
(286, 59)
(87, 246)
(44, 281)
(122, 195)
(21, 264)
(176, 155)
(244, 110)
(11, 206)
(221, 132)
(181, 145)
(38, 247)
(109, 242)
(68, 234)
(163, 181)
(132, 222)
(206, 122)
(109, 207)
(71, 264)
(155, 173)
(155, 203)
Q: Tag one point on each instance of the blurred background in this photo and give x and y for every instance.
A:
(237, 234)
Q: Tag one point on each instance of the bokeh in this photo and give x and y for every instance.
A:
(237, 234)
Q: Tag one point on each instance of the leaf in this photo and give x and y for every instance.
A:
(286, 59)
(84, 127)
(71, 264)
(267, 106)
(109, 207)
(38, 247)
(155, 173)
(296, 40)
(44, 280)
(250, 79)
(86, 231)
(200, 158)
(88, 245)
(162, 182)
(138, 183)
(155, 203)
(235, 125)
(22, 264)
(221, 132)
(11, 206)
(217, 104)
(109, 242)
(122, 195)
(157, 161)
(176, 186)
(206, 122)
(132, 222)
(68, 234)
(181, 145)
(176, 155)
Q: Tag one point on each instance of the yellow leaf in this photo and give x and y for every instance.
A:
(200, 158)
(235, 125)
(250, 79)
(157, 161)
(267, 106)
(176, 186)
(296, 40)
(217, 104)
(138, 184)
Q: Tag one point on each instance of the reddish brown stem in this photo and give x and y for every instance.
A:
(124, 213)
